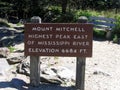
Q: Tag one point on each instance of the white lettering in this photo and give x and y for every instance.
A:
(54, 43)
(43, 36)
(69, 50)
(83, 51)
(60, 36)
(30, 42)
(75, 43)
(42, 28)
(43, 50)
(80, 36)
(70, 29)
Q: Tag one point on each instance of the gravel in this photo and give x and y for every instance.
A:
(102, 70)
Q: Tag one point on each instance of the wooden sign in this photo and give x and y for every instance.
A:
(58, 39)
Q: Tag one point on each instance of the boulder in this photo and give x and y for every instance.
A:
(48, 71)
(50, 79)
(4, 51)
(4, 66)
(15, 58)
(64, 73)
(24, 67)
(6, 41)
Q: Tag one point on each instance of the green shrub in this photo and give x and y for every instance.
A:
(11, 49)
(52, 14)
(19, 24)
(99, 34)
(73, 16)
(55, 9)
(79, 13)
(115, 39)
(83, 13)
(65, 18)
(116, 30)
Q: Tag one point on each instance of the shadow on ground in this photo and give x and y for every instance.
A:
(14, 83)
(17, 84)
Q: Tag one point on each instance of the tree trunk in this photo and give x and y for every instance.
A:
(64, 6)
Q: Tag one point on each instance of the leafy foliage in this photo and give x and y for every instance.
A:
(116, 30)
(99, 34)
(29, 8)
(117, 27)
(64, 11)
(115, 39)
(11, 49)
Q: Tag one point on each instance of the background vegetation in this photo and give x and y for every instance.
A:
(54, 8)
(61, 10)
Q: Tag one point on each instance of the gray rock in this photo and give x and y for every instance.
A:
(48, 71)
(14, 60)
(19, 38)
(19, 48)
(10, 36)
(17, 59)
(49, 74)
(4, 66)
(50, 79)
(64, 73)
(4, 51)
(5, 31)
(7, 41)
(24, 68)
(101, 73)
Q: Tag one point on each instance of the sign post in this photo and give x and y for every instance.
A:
(60, 39)
(80, 64)
(34, 61)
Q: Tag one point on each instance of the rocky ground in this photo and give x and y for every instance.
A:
(58, 73)
(102, 70)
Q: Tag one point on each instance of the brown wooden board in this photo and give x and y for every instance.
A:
(59, 39)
